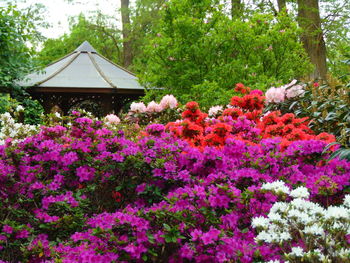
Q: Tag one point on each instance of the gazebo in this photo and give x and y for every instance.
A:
(83, 75)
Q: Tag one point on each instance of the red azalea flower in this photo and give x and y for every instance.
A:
(236, 101)
(116, 196)
(192, 106)
(253, 115)
(324, 136)
(222, 129)
(242, 89)
(233, 112)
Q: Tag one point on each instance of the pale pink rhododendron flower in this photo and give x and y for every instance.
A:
(295, 91)
(112, 119)
(276, 95)
(153, 107)
(168, 101)
(138, 107)
(215, 110)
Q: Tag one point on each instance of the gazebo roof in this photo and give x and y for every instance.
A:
(83, 69)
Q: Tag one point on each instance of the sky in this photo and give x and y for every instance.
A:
(59, 11)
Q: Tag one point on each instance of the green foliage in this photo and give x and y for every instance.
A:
(7, 103)
(31, 114)
(33, 111)
(197, 44)
(209, 94)
(104, 37)
(341, 153)
(144, 19)
(17, 29)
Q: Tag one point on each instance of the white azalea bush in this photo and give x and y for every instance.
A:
(14, 130)
(305, 231)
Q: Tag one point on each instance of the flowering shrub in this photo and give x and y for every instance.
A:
(11, 130)
(112, 119)
(187, 191)
(289, 91)
(326, 106)
(242, 120)
(51, 181)
(304, 230)
(205, 216)
(165, 111)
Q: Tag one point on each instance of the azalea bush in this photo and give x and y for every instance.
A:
(305, 231)
(185, 191)
(15, 131)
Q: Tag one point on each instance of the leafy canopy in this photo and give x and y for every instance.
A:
(103, 37)
(200, 53)
(18, 31)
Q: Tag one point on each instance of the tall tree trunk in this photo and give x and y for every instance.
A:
(236, 8)
(281, 5)
(312, 36)
(127, 43)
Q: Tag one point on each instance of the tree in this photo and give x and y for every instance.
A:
(18, 28)
(103, 36)
(236, 8)
(144, 21)
(282, 5)
(312, 36)
(127, 42)
(200, 52)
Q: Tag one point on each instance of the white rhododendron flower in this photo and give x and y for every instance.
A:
(260, 222)
(138, 107)
(295, 91)
(112, 119)
(215, 110)
(347, 201)
(13, 130)
(276, 95)
(297, 251)
(19, 108)
(337, 213)
(314, 230)
(168, 101)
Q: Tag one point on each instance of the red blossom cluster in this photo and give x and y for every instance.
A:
(289, 128)
(242, 89)
(244, 120)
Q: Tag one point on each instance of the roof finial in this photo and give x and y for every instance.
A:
(85, 47)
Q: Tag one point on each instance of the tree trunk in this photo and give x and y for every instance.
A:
(127, 43)
(236, 8)
(281, 5)
(312, 36)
